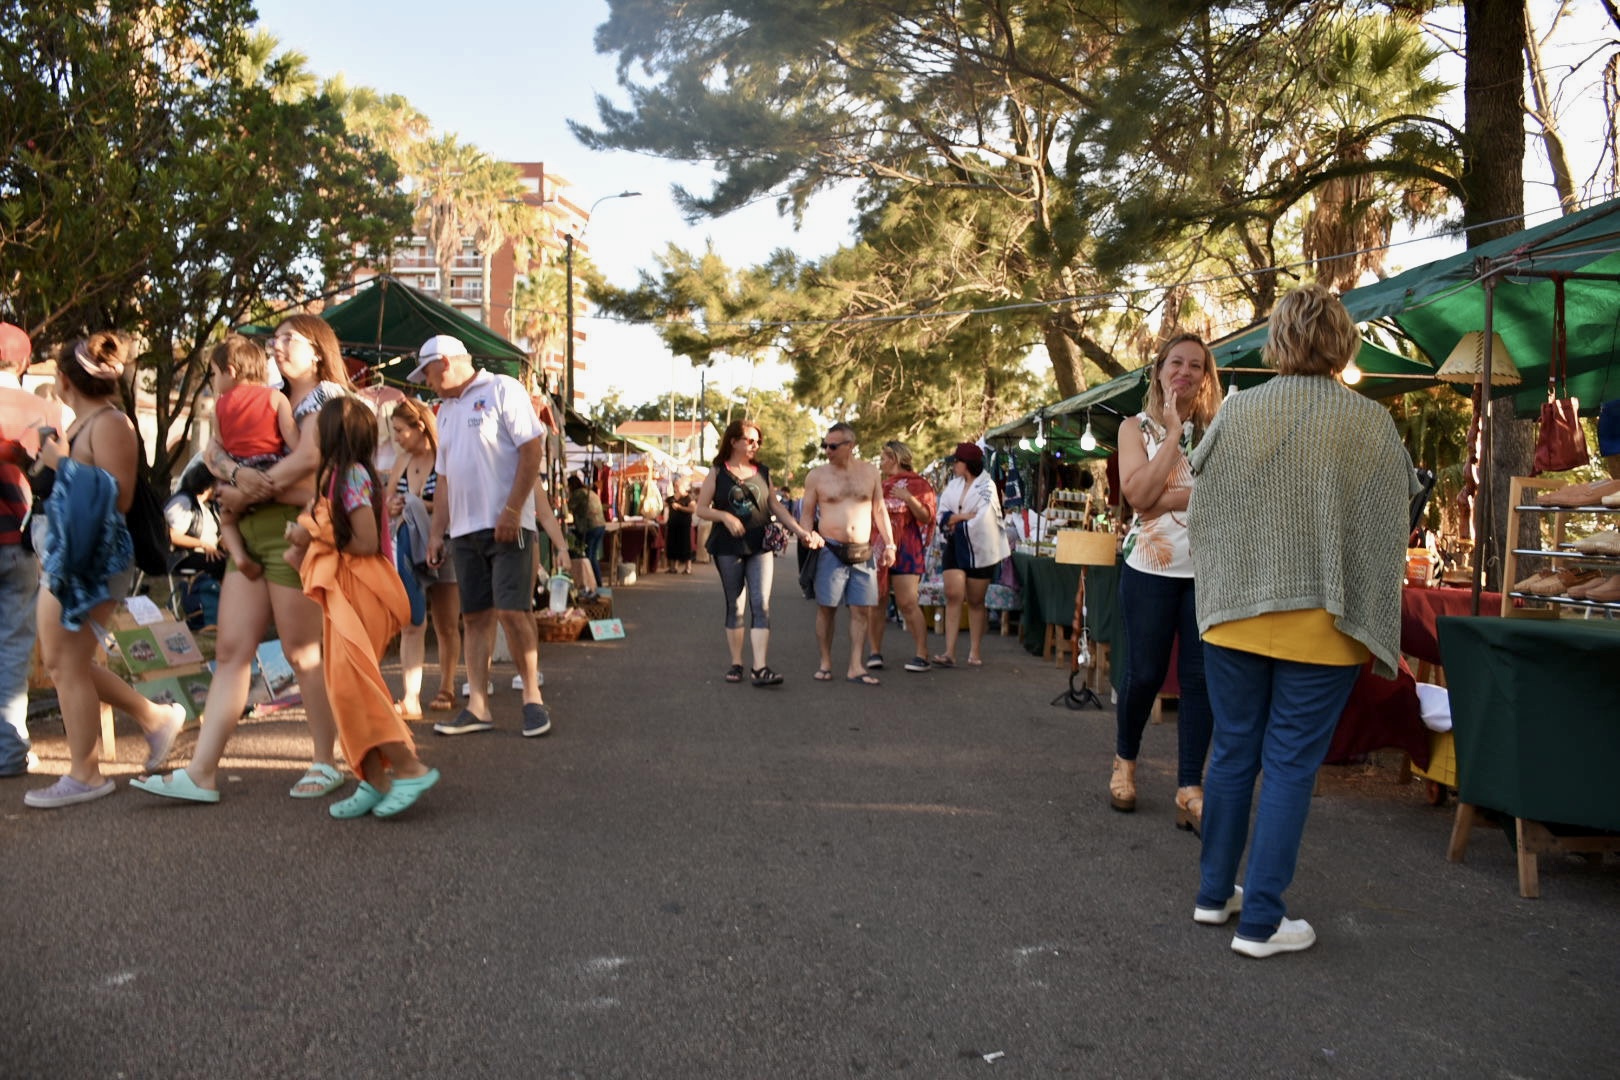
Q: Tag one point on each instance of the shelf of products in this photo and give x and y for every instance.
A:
(1065, 508)
(1574, 568)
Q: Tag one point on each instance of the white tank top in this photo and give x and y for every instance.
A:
(1159, 546)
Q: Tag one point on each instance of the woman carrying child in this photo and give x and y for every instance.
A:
(342, 552)
(255, 425)
(306, 352)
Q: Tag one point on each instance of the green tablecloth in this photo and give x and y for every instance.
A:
(1048, 589)
(1533, 704)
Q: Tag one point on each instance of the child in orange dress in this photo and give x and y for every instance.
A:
(340, 547)
(255, 425)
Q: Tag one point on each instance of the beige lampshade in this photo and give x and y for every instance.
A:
(1085, 547)
(1467, 361)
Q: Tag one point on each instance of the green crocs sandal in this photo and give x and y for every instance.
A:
(361, 803)
(404, 793)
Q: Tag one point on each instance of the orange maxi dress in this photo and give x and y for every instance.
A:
(363, 604)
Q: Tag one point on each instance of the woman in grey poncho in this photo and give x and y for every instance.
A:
(1297, 526)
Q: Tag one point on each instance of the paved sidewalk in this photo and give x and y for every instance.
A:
(694, 879)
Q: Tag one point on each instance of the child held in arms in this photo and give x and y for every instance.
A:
(255, 423)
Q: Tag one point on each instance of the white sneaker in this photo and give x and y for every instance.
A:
(1212, 916)
(466, 688)
(1293, 935)
(539, 680)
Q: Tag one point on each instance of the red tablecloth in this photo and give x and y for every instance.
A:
(641, 538)
(1420, 607)
(1383, 713)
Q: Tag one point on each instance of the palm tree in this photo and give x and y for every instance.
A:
(1375, 71)
(444, 177)
(495, 212)
(388, 121)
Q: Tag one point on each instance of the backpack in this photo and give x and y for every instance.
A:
(148, 529)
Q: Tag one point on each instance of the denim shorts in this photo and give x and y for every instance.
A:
(839, 584)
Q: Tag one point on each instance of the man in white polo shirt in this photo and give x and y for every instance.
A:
(484, 513)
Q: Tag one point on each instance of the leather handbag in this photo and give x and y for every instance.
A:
(1561, 443)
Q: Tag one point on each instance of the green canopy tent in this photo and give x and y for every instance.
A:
(1105, 405)
(1516, 280)
(387, 321)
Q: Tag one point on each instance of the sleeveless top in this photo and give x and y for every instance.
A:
(429, 486)
(750, 501)
(1159, 545)
(312, 401)
(247, 425)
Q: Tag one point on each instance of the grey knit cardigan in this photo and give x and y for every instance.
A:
(1302, 500)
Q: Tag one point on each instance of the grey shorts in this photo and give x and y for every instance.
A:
(496, 575)
(850, 586)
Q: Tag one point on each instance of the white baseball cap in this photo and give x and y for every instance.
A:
(437, 347)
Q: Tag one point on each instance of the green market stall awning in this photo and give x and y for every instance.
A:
(1105, 405)
(387, 321)
(1434, 305)
(1437, 303)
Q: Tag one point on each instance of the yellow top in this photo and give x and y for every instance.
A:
(1307, 637)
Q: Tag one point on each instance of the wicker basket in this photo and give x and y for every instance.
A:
(600, 608)
(567, 628)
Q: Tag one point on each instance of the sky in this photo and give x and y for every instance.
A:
(507, 76)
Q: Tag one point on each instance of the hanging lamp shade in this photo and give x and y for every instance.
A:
(1467, 362)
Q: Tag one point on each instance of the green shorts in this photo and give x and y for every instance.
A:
(264, 531)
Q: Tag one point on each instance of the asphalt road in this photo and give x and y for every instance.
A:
(693, 879)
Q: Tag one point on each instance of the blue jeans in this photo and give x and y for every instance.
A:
(593, 552)
(19, 593)
(1271, 715)
(1155, 609)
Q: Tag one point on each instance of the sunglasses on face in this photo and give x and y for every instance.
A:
(833, 445)
(750, 442)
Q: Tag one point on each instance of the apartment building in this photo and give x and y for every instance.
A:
(412, 262)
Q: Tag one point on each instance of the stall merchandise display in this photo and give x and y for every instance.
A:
(1579, 576)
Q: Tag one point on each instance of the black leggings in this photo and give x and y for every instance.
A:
(754, 571)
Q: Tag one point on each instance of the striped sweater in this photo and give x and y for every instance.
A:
(1302, 502)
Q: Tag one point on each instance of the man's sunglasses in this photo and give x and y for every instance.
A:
(833, 445)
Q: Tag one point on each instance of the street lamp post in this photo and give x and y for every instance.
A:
(568, 267)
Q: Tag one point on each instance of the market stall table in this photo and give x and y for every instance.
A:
(1049, 588)
(1532, 706)
(635, 541)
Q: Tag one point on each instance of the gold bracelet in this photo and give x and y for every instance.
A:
(512, 511)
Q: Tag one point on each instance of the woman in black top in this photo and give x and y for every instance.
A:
(737, 495)
(678, 542)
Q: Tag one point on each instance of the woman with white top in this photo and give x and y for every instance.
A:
(1156, 596)
(975, 544)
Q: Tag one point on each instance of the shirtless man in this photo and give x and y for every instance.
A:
(845, 491)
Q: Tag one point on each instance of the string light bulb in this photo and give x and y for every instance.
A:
(1040, 433)
(1351, 374)
(1023, 444)
(1088, 441)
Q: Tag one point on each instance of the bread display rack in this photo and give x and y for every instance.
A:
(1558, 553)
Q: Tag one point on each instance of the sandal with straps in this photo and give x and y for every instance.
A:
(764, 676)
(734, 673)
